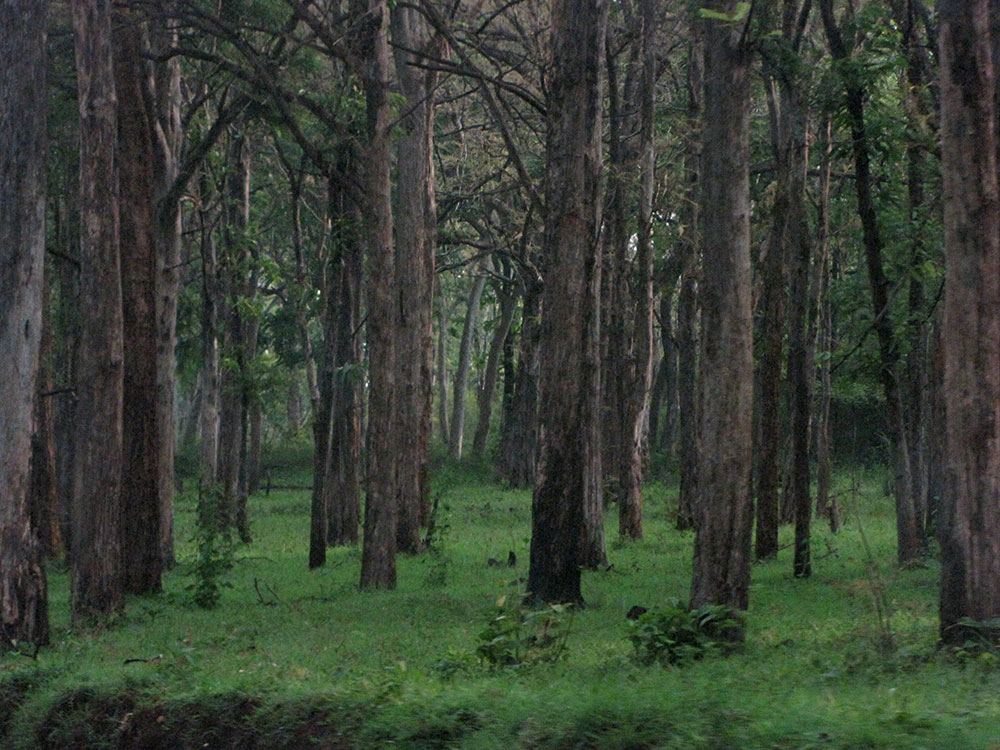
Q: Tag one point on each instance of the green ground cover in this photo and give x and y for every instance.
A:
(292, 658)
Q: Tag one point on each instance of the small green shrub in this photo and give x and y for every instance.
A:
(215, 548)
(676, 635)
(519, 636)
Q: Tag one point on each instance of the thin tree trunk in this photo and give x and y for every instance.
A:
(23, 597)
(442, 369)
(501, 329)
(909, 542)
(462, 372)
(44, 503)
(210, 376)
(724, 509)
(96, 576)
(823, 309)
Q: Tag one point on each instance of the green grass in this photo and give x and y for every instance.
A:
(293, 658)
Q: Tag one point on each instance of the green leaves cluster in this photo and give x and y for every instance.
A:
(215, 548)
(675, 635)
(518, 636)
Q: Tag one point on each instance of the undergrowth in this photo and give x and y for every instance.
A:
(291, 658)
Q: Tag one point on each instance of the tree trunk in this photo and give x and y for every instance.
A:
(628, 358)
(416, 231)
(378, 561)
(208, 464)
(142, 553)
(724, 508)
(518, 438)
(508, 303)
(442, 369)
(96, 576)
(687, 300)
(970, 535)
(909, 542)
(23, 599)
(343, 472)
(824, 336)
(567, 494)
(462, 372)
(44, 503)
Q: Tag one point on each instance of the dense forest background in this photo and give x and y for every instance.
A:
(585, 244)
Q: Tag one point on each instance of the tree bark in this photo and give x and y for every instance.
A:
(416, 232)
(96, 575)
(567, 494)
(687, 298)
(378, 561)
(508, 303)
(142, 552)
(462, 371)
(23, 598)
(724, 509)
(970, 535)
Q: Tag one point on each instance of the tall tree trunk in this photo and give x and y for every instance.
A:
(23, 599)
(378, 561)
(823, 310)
(343, 473)
(970, 538)
(724, 509)
(168, 143)
(142, 552)
(96, 576)
(909, 542)
(687, 300)
(208, 463)
(44, 503)
(567, 494)
(628, 360)
(416, 231)
(462, 371)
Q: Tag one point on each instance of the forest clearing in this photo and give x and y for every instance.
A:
(294, 659)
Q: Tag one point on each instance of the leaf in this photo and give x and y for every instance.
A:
(739, 14)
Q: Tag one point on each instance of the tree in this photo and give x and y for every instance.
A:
(568, 478)
(96, 576)
(970, 535)
(378, 561)
(142, 551)
(723, 510)
(23, 603)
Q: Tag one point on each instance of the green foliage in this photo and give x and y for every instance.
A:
(520, 636)
(215, 547)
(675, 635)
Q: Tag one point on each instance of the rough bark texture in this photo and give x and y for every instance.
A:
(724, 511)
(142, 552)
(970, 535)
(416, 231)
(568, 481)
(96, 575)
(687, 298)
(45, 506)
(23, 603)
(378, 560)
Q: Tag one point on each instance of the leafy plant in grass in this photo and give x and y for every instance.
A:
(518, 636)
(215, 548)
(676, 635)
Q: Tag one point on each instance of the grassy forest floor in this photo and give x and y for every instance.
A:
(299, 659)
